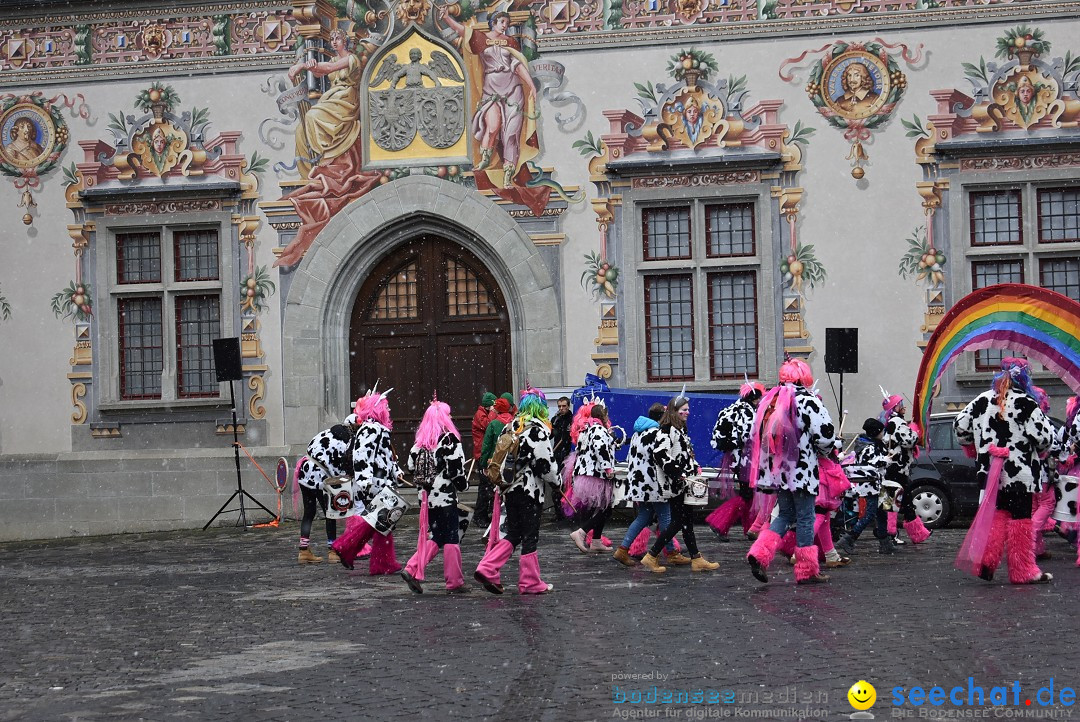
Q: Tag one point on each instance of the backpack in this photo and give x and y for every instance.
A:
(502, 466)
(424, 471)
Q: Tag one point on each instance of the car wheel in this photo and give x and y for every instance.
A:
(931, 505)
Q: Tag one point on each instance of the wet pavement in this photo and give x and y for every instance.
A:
(224, 625)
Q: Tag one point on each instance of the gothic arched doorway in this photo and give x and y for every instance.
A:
(429, 317)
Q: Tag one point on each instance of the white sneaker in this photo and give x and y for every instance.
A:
(578, 537)
(598, 546)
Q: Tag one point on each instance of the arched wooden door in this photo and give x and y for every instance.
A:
(430, 317)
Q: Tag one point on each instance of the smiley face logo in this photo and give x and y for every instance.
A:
(862, 695)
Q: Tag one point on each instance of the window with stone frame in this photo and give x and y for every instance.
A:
(700, 255)
(166, 294)
(1027, 233)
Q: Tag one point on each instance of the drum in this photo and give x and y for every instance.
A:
(697, 491)
(384, 511)
(1065, 510)
(340, 495)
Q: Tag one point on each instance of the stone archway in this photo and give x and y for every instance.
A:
(325, 284)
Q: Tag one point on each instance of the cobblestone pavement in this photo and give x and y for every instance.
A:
(225, 625)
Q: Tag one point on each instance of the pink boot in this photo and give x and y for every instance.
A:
(890, 522)
(357, 533)
(725, 515)
(487, 572)
(787, 543)
(383, 559)
(917, 531)
(413, 573)
(762, 552)
(451, 559)
(365, 551)
(1022, 566)
(807, 568)
(529, 581)
(995, 545)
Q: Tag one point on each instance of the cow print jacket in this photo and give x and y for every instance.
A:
(595, 452)
(643, 483)
(1023, 430)
(900, 440)
(868, 470)
(449, 471)
(817, 437)
(331, 448)
(732, 432)
(536, 461)
(673, 455)
(374, 464)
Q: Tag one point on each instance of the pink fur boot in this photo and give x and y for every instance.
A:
(383, 559)
(890, 522)
(1022, 566)
(529, 581)
(487, 571)
(357, 533)
(787, 543)
(761, 554)
(917, 531)
(451, 559)
(807, 567)
(995, 545)
(725, 515)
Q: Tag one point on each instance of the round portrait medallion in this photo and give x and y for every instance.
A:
(27, 135)
(855, 84)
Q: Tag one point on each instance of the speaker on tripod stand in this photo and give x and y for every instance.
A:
(841, 355)
(229, 368)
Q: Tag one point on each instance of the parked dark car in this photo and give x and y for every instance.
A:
(944, 485)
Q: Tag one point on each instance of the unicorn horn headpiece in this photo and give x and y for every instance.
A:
(884, 393)
(596, 400)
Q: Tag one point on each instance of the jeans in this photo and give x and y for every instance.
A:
(868, 516)
(646, 512)
(796, 508)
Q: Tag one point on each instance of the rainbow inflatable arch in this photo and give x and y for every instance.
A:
(1033, 322)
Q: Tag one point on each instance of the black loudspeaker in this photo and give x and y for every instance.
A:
(227, 359)
(841, 350)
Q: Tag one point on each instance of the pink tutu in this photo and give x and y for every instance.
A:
(592, 492)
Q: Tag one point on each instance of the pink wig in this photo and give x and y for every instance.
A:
(1071, 407)
(751, 390)
(796, 371)
(582, 417)
(775, 427)
(888, 406)
(1042, 399)
(373, 407)
(436, 422)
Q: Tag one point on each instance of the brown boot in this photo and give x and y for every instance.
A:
(332, 557)
(678, 559)
(306, 557)
(649, 562)
(623, 557)
(701, 564)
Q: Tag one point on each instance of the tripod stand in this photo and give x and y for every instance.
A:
(239, 493)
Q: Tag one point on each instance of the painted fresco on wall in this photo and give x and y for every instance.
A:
(856, 87)
(158, 144)
(710, 120)
(33, 137)
(451, 91)
(5, 307)
(1027, 95)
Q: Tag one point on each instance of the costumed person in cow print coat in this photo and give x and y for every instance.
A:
(792, 428)
(1047, 491)
(594, 478)
(437, 462)
(1005, 423)
(673, 457)
(332, 449)
(731, 435)
(900, 441)
(375, 468)
(866, 473)
(644, 486)
(523, 500)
